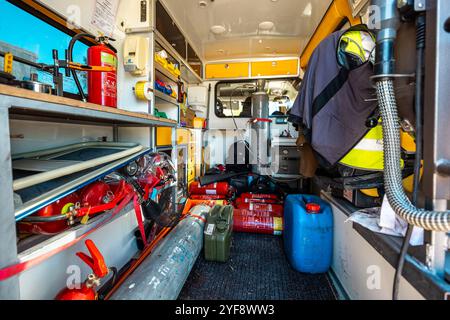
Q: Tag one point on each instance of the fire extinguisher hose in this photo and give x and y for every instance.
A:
(70, 58)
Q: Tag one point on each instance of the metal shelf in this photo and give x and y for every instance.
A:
(187, 73)
(165, 72)
(165, 97)
(25, 103)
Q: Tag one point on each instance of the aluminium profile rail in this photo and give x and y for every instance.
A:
(64, 110)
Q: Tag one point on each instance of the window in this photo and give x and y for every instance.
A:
(234, 98)
(28, 37)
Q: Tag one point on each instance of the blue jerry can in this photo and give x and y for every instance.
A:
(308, 233)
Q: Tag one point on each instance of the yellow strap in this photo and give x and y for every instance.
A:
(80, 67)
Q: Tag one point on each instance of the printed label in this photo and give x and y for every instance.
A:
(277, 225)
(109, 60)
(211, 192)
(210, 229)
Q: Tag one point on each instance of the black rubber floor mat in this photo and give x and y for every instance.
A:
(257, 270)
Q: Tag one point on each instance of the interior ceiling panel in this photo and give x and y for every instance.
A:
(294, 23)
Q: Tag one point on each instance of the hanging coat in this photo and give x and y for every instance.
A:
(334, 102)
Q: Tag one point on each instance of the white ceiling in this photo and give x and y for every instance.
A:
(295, 22)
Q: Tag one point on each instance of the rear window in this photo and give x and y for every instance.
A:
(234, 98)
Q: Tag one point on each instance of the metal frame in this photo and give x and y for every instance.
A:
(39, 110)
(437, 130)
(64, 112)
(9, 289)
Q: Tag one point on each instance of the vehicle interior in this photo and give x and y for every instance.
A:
(224, 150)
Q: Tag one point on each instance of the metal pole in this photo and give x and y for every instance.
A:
(437, 96)
(9, 288)
(436, 182)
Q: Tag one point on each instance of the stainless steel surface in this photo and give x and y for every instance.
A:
(437, 97)
(260, 142)
(286, 160)
(37, 86)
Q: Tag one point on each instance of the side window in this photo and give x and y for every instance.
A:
(28, 37)
(234, 99)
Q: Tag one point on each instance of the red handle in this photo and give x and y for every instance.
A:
(96, 261)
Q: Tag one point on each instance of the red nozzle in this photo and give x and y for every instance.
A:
(96, 262)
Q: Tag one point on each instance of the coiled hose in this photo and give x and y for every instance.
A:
(429, 220)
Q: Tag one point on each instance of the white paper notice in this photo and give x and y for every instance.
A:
(389, 220)
(104, 16)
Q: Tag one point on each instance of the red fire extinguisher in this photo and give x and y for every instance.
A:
(257, 222)
(276, 209)
(251, 200)
(102, 86)
(86, 290)
(219, 188)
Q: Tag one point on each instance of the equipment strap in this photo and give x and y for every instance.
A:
(16, 269)
(330, 90)
(138, 211)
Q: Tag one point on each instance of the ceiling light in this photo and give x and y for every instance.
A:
(308, 10)
(218, 29)
(266, 25)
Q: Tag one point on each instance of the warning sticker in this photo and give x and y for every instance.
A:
(210, 229)
(277, 225)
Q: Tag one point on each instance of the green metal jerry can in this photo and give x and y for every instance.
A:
(218, 233)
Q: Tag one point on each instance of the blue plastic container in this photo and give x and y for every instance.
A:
(308, 236)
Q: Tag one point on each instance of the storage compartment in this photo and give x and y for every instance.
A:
(275, 68)
(227, 70)
(163, 136)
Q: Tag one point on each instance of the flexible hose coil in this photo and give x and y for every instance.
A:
(429, 220)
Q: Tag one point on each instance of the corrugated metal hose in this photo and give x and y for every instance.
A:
(429, 220)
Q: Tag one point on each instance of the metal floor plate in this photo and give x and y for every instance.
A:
(257, 270)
